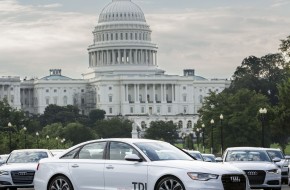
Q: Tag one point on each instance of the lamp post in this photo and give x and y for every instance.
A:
(47, 138)
(203, 126)
(56, 138)
(263, 112)
(211, 148)
(10, 131)
(24, 129)
(37, 134)
(222, 135)
(197, 138)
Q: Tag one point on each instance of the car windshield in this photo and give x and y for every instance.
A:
(275, 154)
(196, 155)
(26, 157)
(162, 151)
(247, 155)
(208, 157)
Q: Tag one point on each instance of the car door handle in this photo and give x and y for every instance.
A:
(75, 166)
(109, 167)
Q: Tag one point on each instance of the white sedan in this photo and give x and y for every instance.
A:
(262, 172)
(138, 164)
(19, 169)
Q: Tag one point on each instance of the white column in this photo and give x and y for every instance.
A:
(126, 93)
(130, 57)
(172, 93)
(155, 58)
(113, 57)
(138, 92)
(135, 57)
(125, 56)
(146, 101)
(108, 58)
(135, 92)
(154, 100)
(161, 87)
(120, 57)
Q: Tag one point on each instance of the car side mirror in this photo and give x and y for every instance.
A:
(276, 159)
(219, 159)
(207, 160)
(133, 157)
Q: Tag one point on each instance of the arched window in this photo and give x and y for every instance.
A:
(189, 124)
(65, 100)
(143, 125)
(180, 124)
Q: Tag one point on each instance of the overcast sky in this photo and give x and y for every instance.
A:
(210, 36)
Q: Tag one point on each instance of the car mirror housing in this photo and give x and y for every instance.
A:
(133, 157)
(219, 159)
(276, 159)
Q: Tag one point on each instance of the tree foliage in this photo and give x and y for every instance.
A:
(114, 128)
(162, 130)
(285, 46)
(241, 126)
(96, 115)
(261, 75)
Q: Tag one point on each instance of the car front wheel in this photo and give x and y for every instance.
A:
(60, 183)
(170, 183)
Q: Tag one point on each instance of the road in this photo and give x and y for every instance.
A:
(285, 187)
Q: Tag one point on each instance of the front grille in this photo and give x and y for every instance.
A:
(256, 177)
(234, 182)
(22, 177)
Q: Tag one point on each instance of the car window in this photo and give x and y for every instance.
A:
(247, 155)
(275, 154)
(92, 151)
(119, 150)
(71, 154)
(26, 157)
(162, 151)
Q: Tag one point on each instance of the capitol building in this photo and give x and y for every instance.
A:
(123, 77)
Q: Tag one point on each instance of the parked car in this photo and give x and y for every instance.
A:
(261, 170)
(133, 164)
(209, 157)
(196, 154)
(283, 164)
(19, 169)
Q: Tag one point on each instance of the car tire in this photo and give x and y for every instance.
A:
(169, 183)
(61, 182)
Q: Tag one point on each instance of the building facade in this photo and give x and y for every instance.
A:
(123, 77)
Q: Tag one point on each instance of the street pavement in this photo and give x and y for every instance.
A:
(284, 187)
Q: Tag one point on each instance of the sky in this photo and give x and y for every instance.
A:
(211, 36)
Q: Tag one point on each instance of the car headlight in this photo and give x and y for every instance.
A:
(274, 171)
(202, 176)
(2, 172)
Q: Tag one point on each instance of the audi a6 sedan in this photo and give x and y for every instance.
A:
(261, 170)
(19, 169)
(137, 164)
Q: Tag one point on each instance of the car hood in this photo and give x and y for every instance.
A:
(254, 165)
(19, 166)
(198, 166)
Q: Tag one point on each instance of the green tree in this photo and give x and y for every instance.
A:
(77, 133)
(280, 127)
(285, 46)
(114, 128)
(96, 115)
(241, 126)
(162, 130)
(262, 75)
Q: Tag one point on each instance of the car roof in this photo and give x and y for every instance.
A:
(30, 150)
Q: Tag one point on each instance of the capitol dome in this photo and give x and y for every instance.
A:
(121, 10)
(122, 42)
